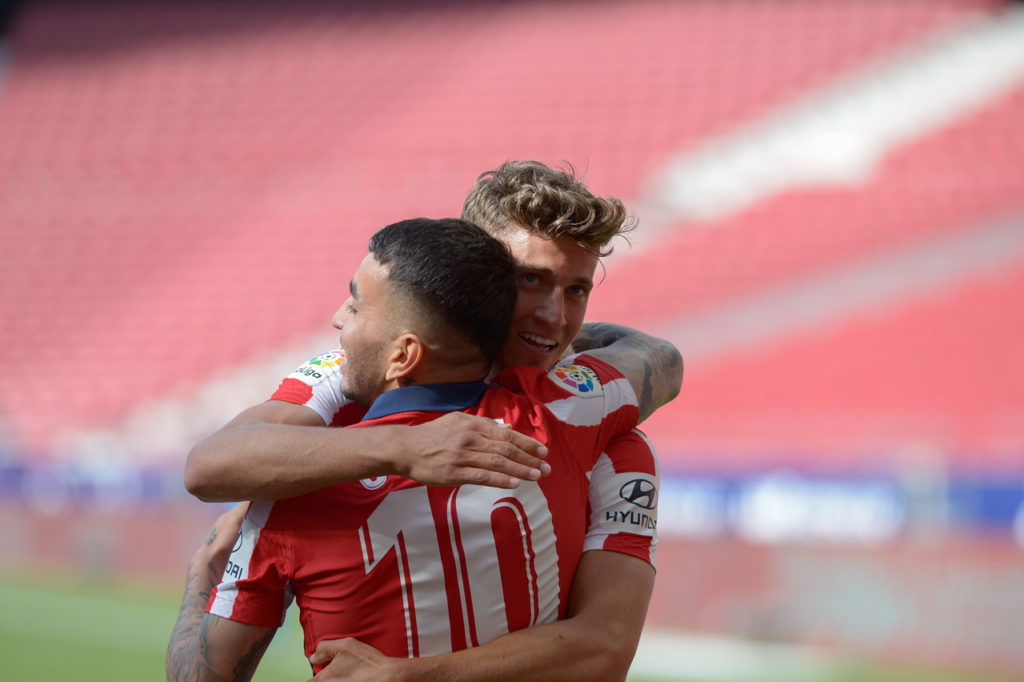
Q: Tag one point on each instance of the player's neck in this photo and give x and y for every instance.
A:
(445, 373)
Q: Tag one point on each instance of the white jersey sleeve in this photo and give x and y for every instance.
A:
(316, 384)
(623, 498)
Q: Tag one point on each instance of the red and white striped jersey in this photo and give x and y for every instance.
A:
(623, 498)
(421, 570)
(613, 524)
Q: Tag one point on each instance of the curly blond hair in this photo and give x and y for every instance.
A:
(546, 201)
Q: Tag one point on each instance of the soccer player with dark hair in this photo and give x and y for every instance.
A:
(413, 570)
(557, 230)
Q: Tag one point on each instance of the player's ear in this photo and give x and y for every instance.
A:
(405, 356)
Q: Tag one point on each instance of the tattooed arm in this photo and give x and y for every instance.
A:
(654, 366)
(205, 647)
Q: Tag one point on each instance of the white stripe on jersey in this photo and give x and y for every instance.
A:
(324, 375)
(239, 561)
(327, 397)
(622, 503)
(591, 412)
(478, 555)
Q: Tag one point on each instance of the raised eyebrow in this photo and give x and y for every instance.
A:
(352, 288)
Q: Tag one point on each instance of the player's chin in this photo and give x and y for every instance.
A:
(531, 357)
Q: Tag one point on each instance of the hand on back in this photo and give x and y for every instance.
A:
(459, 448)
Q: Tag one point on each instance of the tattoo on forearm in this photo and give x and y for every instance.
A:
(183, 663)
(647, 392)
(203, 642)
(662, 376)
(653, 365)
(598, 335)
(246, 666)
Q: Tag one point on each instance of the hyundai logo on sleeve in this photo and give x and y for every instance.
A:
(641, 492)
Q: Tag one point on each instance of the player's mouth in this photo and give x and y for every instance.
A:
(538, 343)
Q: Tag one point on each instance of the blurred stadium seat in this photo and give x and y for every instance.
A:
(166, 167)
(184, 188)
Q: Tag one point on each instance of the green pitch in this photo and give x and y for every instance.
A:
(105, 631)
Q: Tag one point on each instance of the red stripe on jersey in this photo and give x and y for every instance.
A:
(635, 545)
(460, 610)
(516, 564)
(632, 452)
(348, 414)
(410, 604)
(465, 593)
(262, 606)
(293, 391)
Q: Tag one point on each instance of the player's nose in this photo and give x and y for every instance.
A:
(340, 316)
(552, 311)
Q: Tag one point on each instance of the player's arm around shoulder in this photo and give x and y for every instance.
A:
(653, 366)
(250, 452)
(254, 455)
(284, 447)
(270, 451)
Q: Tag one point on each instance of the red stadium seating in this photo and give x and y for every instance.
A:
(949, 182)
(942, 373)
(186, 186)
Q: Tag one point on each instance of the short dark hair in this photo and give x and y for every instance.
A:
(456, 273)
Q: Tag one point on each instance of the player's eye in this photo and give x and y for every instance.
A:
(529, 277)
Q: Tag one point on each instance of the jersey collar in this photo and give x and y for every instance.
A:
(427, 398)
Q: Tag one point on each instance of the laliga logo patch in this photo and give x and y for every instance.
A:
(316, 370)
(332, 359)
(577, 379)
